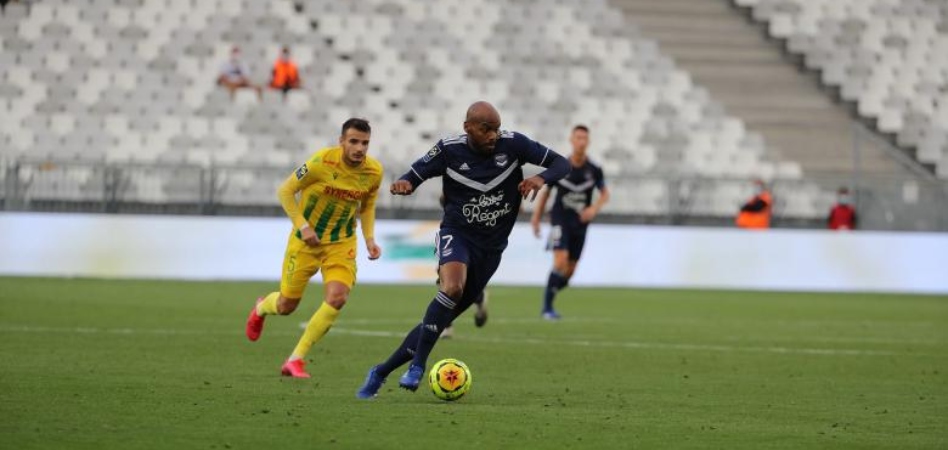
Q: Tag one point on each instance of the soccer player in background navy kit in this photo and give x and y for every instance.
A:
(483, 186)
(573, 210)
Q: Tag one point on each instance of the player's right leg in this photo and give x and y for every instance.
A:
(448, 331)
(273, 303)
(558, 279)
(299, 266)
(440, 313)
(481, 266)
(566, 253)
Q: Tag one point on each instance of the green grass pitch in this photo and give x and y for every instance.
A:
(142, 364)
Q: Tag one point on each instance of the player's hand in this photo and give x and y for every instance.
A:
(588, 214)
(532, 184)
(401, 187)
(309, 236)
(375, 252)
(536, 228)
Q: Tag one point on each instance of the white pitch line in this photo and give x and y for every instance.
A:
(643, 345)
(849, 340)
(142, 331)
(498, 321)
(497, 340)
(794, 324)
(736, 339)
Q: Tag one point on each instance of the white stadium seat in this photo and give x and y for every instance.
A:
(154, 93)
(907, 52)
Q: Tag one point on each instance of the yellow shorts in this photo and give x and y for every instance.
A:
(301, 262)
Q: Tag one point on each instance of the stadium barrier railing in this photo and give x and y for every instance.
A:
(883, 202)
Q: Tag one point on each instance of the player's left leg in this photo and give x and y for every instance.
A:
(339, 272)
(336, 294)
(480, 315)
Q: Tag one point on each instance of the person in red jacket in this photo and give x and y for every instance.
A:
(842, 215)
(285, 74)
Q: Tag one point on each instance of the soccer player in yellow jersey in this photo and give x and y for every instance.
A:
(332, 187)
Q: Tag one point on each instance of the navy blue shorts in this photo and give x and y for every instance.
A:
(481, 263)
(571, 239)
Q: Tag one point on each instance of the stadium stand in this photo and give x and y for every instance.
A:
(751, 79)
(889, 57)
(132, 82)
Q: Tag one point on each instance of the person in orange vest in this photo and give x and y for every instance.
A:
(842, 215)
(285, 74)
(755, 214)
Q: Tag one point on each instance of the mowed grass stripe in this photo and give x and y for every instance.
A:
(164, 364)
(494, 340)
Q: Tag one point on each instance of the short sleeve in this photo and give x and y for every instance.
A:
(600, 178)
(431, 164)
(532, 151)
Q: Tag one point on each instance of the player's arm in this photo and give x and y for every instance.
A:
(539, 210)
(296, 182)
(367, 218)
(536, 153)
(432, 164)
(592, 211)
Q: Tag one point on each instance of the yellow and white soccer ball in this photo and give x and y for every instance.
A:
(449, 379)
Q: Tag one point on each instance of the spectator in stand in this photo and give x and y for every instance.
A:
(755, 214)
(285, 74)
(235, 75)
(842, 215)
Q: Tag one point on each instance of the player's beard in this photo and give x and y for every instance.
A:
(485, 148)
(349, 158)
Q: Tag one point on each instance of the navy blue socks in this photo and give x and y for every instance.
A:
(553, 286)
(439, 315)
(402, 354)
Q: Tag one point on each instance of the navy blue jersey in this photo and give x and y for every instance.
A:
(574, 194)
(481, 190)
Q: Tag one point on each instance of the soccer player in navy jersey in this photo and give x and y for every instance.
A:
(483, 186)
(572, 211)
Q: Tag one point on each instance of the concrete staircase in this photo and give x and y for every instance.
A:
(749, 75)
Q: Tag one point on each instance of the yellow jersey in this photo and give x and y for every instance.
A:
(331, 193)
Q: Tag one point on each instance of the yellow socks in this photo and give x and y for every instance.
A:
(315, 330)
(269, 305)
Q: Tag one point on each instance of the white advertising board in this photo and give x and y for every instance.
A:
(204, 248)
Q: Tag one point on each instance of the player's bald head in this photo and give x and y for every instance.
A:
(482, 124)
(482, 112)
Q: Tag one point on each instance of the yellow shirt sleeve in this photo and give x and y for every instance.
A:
(296, 182)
